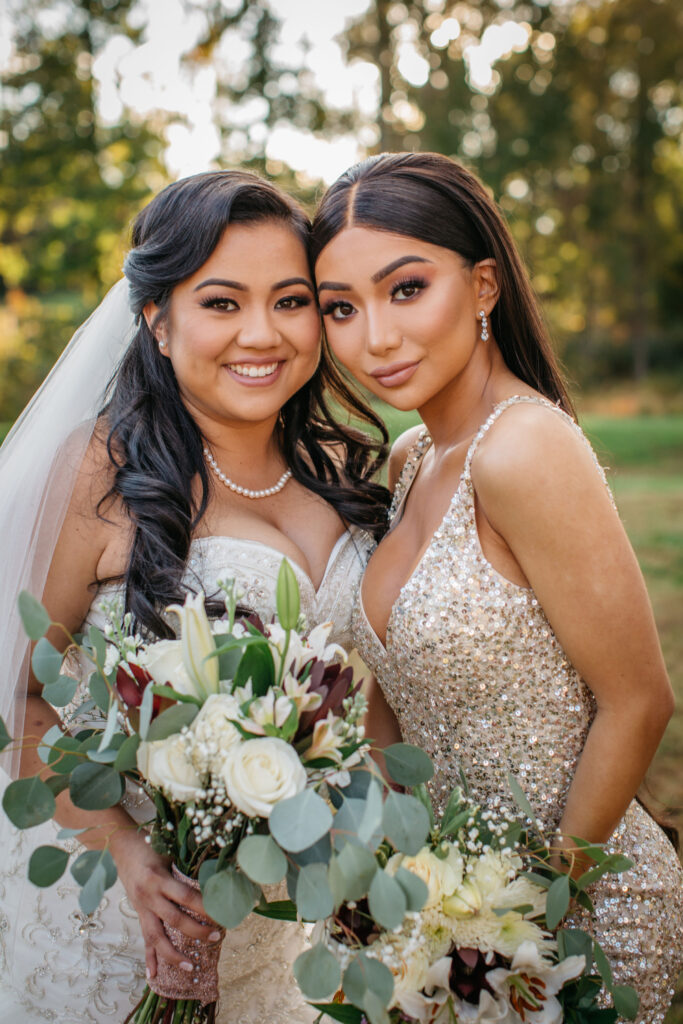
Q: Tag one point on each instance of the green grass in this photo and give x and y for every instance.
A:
(644, 459)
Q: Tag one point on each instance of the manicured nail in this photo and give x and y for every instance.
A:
(148, 973)
(186, 966)
(214, 936)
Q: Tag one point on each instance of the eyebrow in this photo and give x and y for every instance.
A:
(238, 286)
(336, 286)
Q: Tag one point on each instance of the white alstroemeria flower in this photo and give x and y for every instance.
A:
(197, 643)
(164, 662)
(165, 764)
(268, 710)
(465, 901)
(111, 660)
(318, 645)
(301, 650)
(532, 982)
(260, 773)
(442, 876)
(300, 694)
(326, 740)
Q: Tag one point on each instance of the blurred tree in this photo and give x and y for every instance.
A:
(70, 184)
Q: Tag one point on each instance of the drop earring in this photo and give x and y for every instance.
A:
(484, 325)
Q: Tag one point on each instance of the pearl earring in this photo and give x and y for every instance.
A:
(484, 325)
(162, 346)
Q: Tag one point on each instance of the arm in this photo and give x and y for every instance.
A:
(84, 540)
(399, 453)
(540, 492)
(380, 724)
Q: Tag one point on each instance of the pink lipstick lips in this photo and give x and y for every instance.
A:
(395, 374)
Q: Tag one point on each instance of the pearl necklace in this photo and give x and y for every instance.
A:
(246, 492)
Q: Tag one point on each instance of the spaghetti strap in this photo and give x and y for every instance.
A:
(408, 473)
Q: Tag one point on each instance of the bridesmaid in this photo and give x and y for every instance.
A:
(504, 613)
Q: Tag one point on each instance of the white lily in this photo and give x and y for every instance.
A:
(531, 983)
(267, 710)
(197, 643)
(301, 650)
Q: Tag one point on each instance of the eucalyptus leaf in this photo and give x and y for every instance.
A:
(62, 757)
(146, 708)
(53, 735)
(70, 833)
(110, 754)
(407, 764)
(92, 892)
(84, 866)
(99, 646)
(626, 1001)
(314, 899)
(357, 866)
(34, 617)
(61, 692)
(422, 794)
(520, 798)
(5, 737)
(348, 822)
(110, 728)
(375, 1009)
(94, 787)
(415, 890)
(406, 822)
(388, 902)
(575, 942)
(46, 662)
(557, 901)
(603, 966)
(207, 870)
(57, 783)
(46, 865)
(229, 896)
(370, 827)
(317, 853)
(100, 691)
(365, 974)
(317, 972)
(287, 598)
(262, 859)
(359, 782)
(300, 821)
(28, 802)
(126, 759)
(171, 721)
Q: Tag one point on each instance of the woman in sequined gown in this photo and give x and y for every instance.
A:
(224, 378)
(504, 613)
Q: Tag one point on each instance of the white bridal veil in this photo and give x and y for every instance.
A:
(39, 462)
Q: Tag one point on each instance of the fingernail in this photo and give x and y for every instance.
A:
(148, 973)
(214, 936)
(186, 966)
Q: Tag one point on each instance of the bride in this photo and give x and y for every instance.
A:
(216, 453)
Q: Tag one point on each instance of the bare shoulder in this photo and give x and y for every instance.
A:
(94, 478)
(530, 448)
(399, 452)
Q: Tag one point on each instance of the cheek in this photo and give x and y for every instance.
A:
(345, 343)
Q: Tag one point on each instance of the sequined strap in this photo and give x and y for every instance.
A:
(531, 400)
(407, 474)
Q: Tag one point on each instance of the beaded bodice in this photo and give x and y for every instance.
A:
(472, 668)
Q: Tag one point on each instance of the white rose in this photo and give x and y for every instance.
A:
(213, 726)
(164, 662)
(166, 765)
(260, 773)
(440, 876)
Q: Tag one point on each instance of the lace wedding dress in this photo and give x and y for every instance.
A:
(477, 677)
(57, 964)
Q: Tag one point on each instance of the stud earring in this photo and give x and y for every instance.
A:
(162, 346)
(484, 325)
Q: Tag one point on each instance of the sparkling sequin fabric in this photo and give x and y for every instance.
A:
(57, 965)
(476, 676)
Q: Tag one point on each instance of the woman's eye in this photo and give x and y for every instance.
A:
(338, 310)
(293, 302)
(220, 302)
(404, 290)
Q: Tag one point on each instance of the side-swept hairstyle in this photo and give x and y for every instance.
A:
(154, 443)
(432, 198)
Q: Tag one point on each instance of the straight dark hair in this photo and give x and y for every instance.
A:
(434, 199)
(154, 443)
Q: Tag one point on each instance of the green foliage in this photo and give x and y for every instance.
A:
(47, 864)
(387, 899)
(287, 596)
(262, 859)
(171, 721)
(406, 822)
(28, 802)
(46, 661)
(314, 899)
(317, 972)
(94, 787)
(231, 896)
(5, 738)
(34, 617)
(407, 764)
(300, 821)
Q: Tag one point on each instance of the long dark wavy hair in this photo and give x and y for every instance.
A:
(432, 198)
(154, 443)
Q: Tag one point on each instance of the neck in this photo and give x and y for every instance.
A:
(457, 411)
(248, 452)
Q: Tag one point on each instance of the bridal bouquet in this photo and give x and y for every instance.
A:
(231, 730)
(458, 922)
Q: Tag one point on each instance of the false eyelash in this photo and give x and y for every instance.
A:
(408, 282)
(215, 300)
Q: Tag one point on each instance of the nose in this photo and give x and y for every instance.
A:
(382, 335)
(257, 330)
